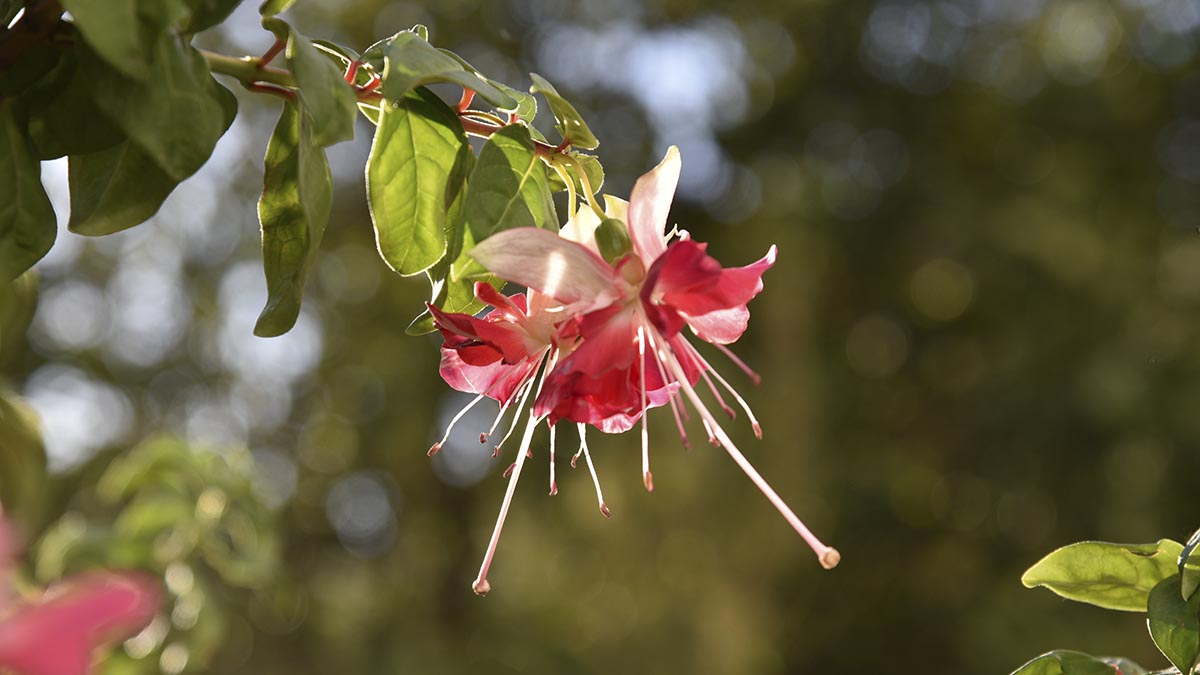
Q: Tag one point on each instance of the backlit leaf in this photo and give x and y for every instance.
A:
(568, 121)
(417, 145)
(1066, 662)
(115, 189)
(412, 62)
(1113, 576)
(293, 210)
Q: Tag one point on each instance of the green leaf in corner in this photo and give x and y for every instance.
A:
(1174, 623)
(323, 92)
(508, 188)
(125, 32)
(293, 210)
(18, 299)
(27, 222)
(177, 117)
(411, 62)
(570, 124)
(1067, 662)
(22, 483)
(115, 189)
(1113, 576)
(1189, 566)
(410, 188)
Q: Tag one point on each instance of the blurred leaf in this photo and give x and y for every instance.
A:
(507, 189)
(570, 124)
(293, 210)
(63, 118)
(343, 54)
(273, 7)
(9, 9)
(1174, 623)
(1189, 566)
(115, 189)
(1113, 576)
(126, 32)
(1123, 665)
(177, 117)
(1065, 662)
(412, 62)
(417, 146)
(35, 63)
(208, 13)
(323, 93)
(18, 299)
(27, 222)
(23, 479)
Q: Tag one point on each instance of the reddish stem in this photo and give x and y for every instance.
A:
(468, 95)
(486, 129)
(273, 89)
(352, 71)
(269, 55)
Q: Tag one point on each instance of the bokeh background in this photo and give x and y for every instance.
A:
(981, 341)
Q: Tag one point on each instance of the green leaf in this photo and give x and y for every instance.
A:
(375, 54)
(18, 298)
(1174, 623)
(417, 145)
(27, 222)
(1189, 565)
(323, 92)
(412, 62)
(526, 108)
(115, 189)
(293, 210)
(1124, 665)
(23, 481)
(273, 7)
(1113, 576)
(507, 189)
(342, 53)
(62, 117)
(1066, 662)
(125, 32)
(177, 117)
(573, 162)
(569, 123)
(208, 13)
(34, 65)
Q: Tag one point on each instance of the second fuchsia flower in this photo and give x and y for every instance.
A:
(607, 335)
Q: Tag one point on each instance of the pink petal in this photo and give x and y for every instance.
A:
(57, 636)
(723, 327)
(687, 281)
(649, 205)
(497, 380)
(481, 341)
(547, 263)
(485, 292)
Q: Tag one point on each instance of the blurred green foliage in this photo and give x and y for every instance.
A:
(981, 342)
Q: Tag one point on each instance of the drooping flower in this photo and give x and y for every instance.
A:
(57, 633)
(631, 354)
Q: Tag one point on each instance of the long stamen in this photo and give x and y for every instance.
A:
(433, 450)
(676, 406)
(647, 477)
(553, 484)
(717, 395)
(754, 377)
(583, 447)
(524, 393)
(733, 392)
(827, 555)
(480, 585)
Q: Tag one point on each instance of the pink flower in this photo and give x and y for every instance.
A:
(58, 633)
(618, 348)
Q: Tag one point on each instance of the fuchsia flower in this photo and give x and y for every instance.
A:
(612, 343)
(57, 634)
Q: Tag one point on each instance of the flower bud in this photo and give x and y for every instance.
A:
(612, 238)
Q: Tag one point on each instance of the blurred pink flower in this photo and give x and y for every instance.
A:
(57, 633)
